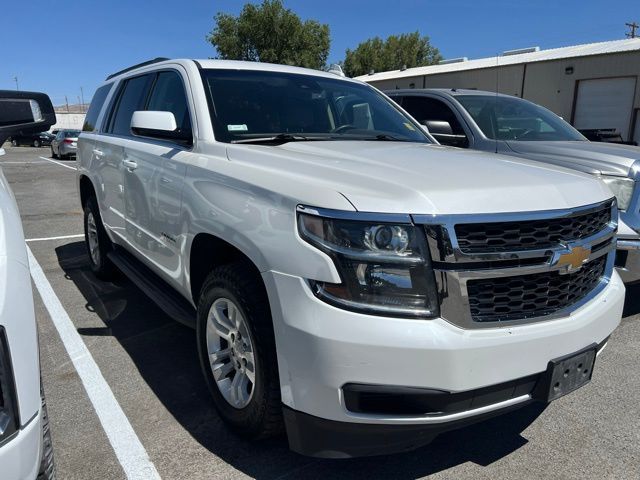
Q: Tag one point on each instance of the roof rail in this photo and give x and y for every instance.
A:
(138, 65)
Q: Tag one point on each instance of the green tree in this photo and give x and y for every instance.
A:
(407, 49)
(269, 32)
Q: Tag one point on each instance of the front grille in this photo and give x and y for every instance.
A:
(530, 234)
(536, 295)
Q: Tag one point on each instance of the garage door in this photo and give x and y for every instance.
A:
(605, 103)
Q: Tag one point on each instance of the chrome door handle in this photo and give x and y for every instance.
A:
(130, 164)
(98, 153)
(166, 180)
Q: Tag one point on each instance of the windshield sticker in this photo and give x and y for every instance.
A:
(237, 128)
(409, 126)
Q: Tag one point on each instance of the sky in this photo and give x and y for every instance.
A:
(61, 47)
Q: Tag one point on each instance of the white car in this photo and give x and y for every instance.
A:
(25, 439)
(349, 279)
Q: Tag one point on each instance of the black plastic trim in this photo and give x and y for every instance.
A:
(162, 294)
(7, 390)
(319, 437)
(392, 400)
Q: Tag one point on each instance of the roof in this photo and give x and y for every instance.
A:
(224, 64)
(615, 46)
(444, 91)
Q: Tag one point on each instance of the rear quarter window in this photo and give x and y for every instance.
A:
(94, 108)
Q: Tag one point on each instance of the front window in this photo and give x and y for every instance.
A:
(250, 104)
(509, 118)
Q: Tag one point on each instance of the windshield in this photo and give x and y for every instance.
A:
(250, 104)
(71, 133)
(509, 118)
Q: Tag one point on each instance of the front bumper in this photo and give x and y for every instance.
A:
(20, 455)
(628, 259)
(322, 348)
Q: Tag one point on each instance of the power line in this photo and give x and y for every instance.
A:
(632, 26)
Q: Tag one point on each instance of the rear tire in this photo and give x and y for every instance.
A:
(238, 286)
(97, 241)
(53, 154)
(14, 143)
(47, 466)
(36, 143)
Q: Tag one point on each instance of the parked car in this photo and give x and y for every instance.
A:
(512, 126)
(38, 139)
(25, 440)
(65, 144)
(348, 278)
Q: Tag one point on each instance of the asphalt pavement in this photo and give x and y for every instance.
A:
(149, 362)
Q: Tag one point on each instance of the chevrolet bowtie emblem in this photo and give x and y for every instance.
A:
(576, 257)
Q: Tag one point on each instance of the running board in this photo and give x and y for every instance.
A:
(170, 301)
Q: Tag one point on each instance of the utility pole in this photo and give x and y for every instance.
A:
(632, 26)
(66, 101)
(16, 80)
(82, 99)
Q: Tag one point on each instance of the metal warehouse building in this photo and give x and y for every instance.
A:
(594, 86)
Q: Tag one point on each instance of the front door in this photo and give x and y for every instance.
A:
(154, 174)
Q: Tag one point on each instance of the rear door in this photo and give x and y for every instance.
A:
(154, 175)
(108, 151)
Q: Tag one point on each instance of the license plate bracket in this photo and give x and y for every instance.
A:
(566, 374)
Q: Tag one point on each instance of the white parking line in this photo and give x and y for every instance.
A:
(10, 162)
(58, 163)
(127, 446)
(63, 237)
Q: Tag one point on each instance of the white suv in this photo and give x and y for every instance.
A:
(349, 278)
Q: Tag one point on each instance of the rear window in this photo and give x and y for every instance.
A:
(71, 133)
(94, 108)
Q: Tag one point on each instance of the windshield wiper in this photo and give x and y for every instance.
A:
(278, 139)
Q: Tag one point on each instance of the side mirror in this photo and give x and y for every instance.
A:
(442, 131)
(23, 113)
(158, 124)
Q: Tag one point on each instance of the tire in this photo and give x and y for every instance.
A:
(53, 154)
(94, 231)
(240, 284)
(36, 143)
(47, 466)
(14, 143)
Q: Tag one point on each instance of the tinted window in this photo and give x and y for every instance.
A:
(426, 109)
(168, 95)
(249, 104)
(94, 108)
(71, 133)
(509, 118)
(132, 97)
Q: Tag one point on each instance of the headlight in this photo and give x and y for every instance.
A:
(385, 268)
(622, 188)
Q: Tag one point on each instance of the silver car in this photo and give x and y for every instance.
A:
(512, 126)
(65, 144)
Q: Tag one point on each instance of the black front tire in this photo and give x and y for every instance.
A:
(47, 469)
(241, 283)
(100, 264)
(36, 143)
(14, 143)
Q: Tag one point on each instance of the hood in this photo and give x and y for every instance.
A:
(399, 177)
(589, 157)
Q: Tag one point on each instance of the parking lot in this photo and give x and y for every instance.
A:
(149, 362)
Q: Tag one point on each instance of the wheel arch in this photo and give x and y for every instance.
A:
(208, 252)
(86, 189)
